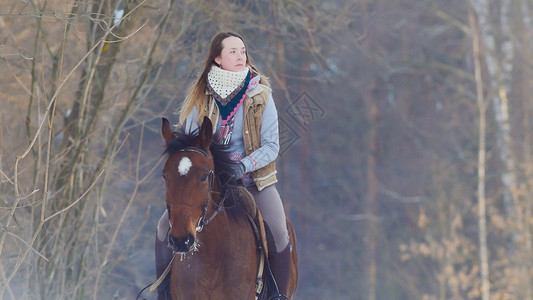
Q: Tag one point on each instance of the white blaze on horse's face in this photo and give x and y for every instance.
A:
(184, 166)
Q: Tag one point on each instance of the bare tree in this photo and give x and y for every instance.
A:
(70, 162)
(482, 207)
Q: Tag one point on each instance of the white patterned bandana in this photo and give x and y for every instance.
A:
(223, 82)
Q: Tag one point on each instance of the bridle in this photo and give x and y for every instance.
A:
(203, 221)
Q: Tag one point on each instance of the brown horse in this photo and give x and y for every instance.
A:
(215, 249)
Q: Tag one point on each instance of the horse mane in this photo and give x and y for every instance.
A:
(238, 200)
(179, 143)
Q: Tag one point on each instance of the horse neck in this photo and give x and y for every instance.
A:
(217, 231)
(214, 206)
(222, 217)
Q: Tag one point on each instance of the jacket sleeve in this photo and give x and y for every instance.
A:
(268, 152)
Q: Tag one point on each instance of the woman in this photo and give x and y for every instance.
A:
(238, 100)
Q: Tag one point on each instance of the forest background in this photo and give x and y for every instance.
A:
(406, 140)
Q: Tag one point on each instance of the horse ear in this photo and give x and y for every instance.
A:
(166, 131)
(205, 136)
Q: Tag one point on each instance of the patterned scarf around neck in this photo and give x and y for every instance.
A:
(218, 83)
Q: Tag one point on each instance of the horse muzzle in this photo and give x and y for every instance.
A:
(182, 245)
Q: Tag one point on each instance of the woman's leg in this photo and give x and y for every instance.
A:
(271, 208)
(163, 255)
(162, 226)
(269, 203)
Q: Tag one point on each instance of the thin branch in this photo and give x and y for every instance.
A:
(102, 171)
(44, 221)
(28, 245)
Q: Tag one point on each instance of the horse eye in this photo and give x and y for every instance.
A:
(164, 178)
(204, 177)
(168, 208)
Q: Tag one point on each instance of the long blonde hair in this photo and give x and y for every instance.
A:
(197, 92)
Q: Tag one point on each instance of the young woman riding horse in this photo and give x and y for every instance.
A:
(238, 100)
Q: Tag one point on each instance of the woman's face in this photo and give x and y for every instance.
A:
(233, 55)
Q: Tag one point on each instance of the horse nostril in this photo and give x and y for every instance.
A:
(182, 245)
(189, 240)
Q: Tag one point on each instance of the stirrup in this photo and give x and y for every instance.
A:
(279, 297)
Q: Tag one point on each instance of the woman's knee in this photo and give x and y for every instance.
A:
(162, 226)
(280, 235)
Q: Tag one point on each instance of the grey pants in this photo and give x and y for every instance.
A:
(269, 203)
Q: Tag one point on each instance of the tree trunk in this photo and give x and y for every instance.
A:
(483, 251)
(498, 61)
(527, 37)
(372, 182)
(67, 271)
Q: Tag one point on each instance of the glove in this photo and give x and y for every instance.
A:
(239, 170)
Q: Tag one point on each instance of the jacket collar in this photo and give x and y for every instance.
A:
(254, 87)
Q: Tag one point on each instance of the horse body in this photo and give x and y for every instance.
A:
(216, 254)
(224, 267)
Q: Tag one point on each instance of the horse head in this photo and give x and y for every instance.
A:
(188, 174)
